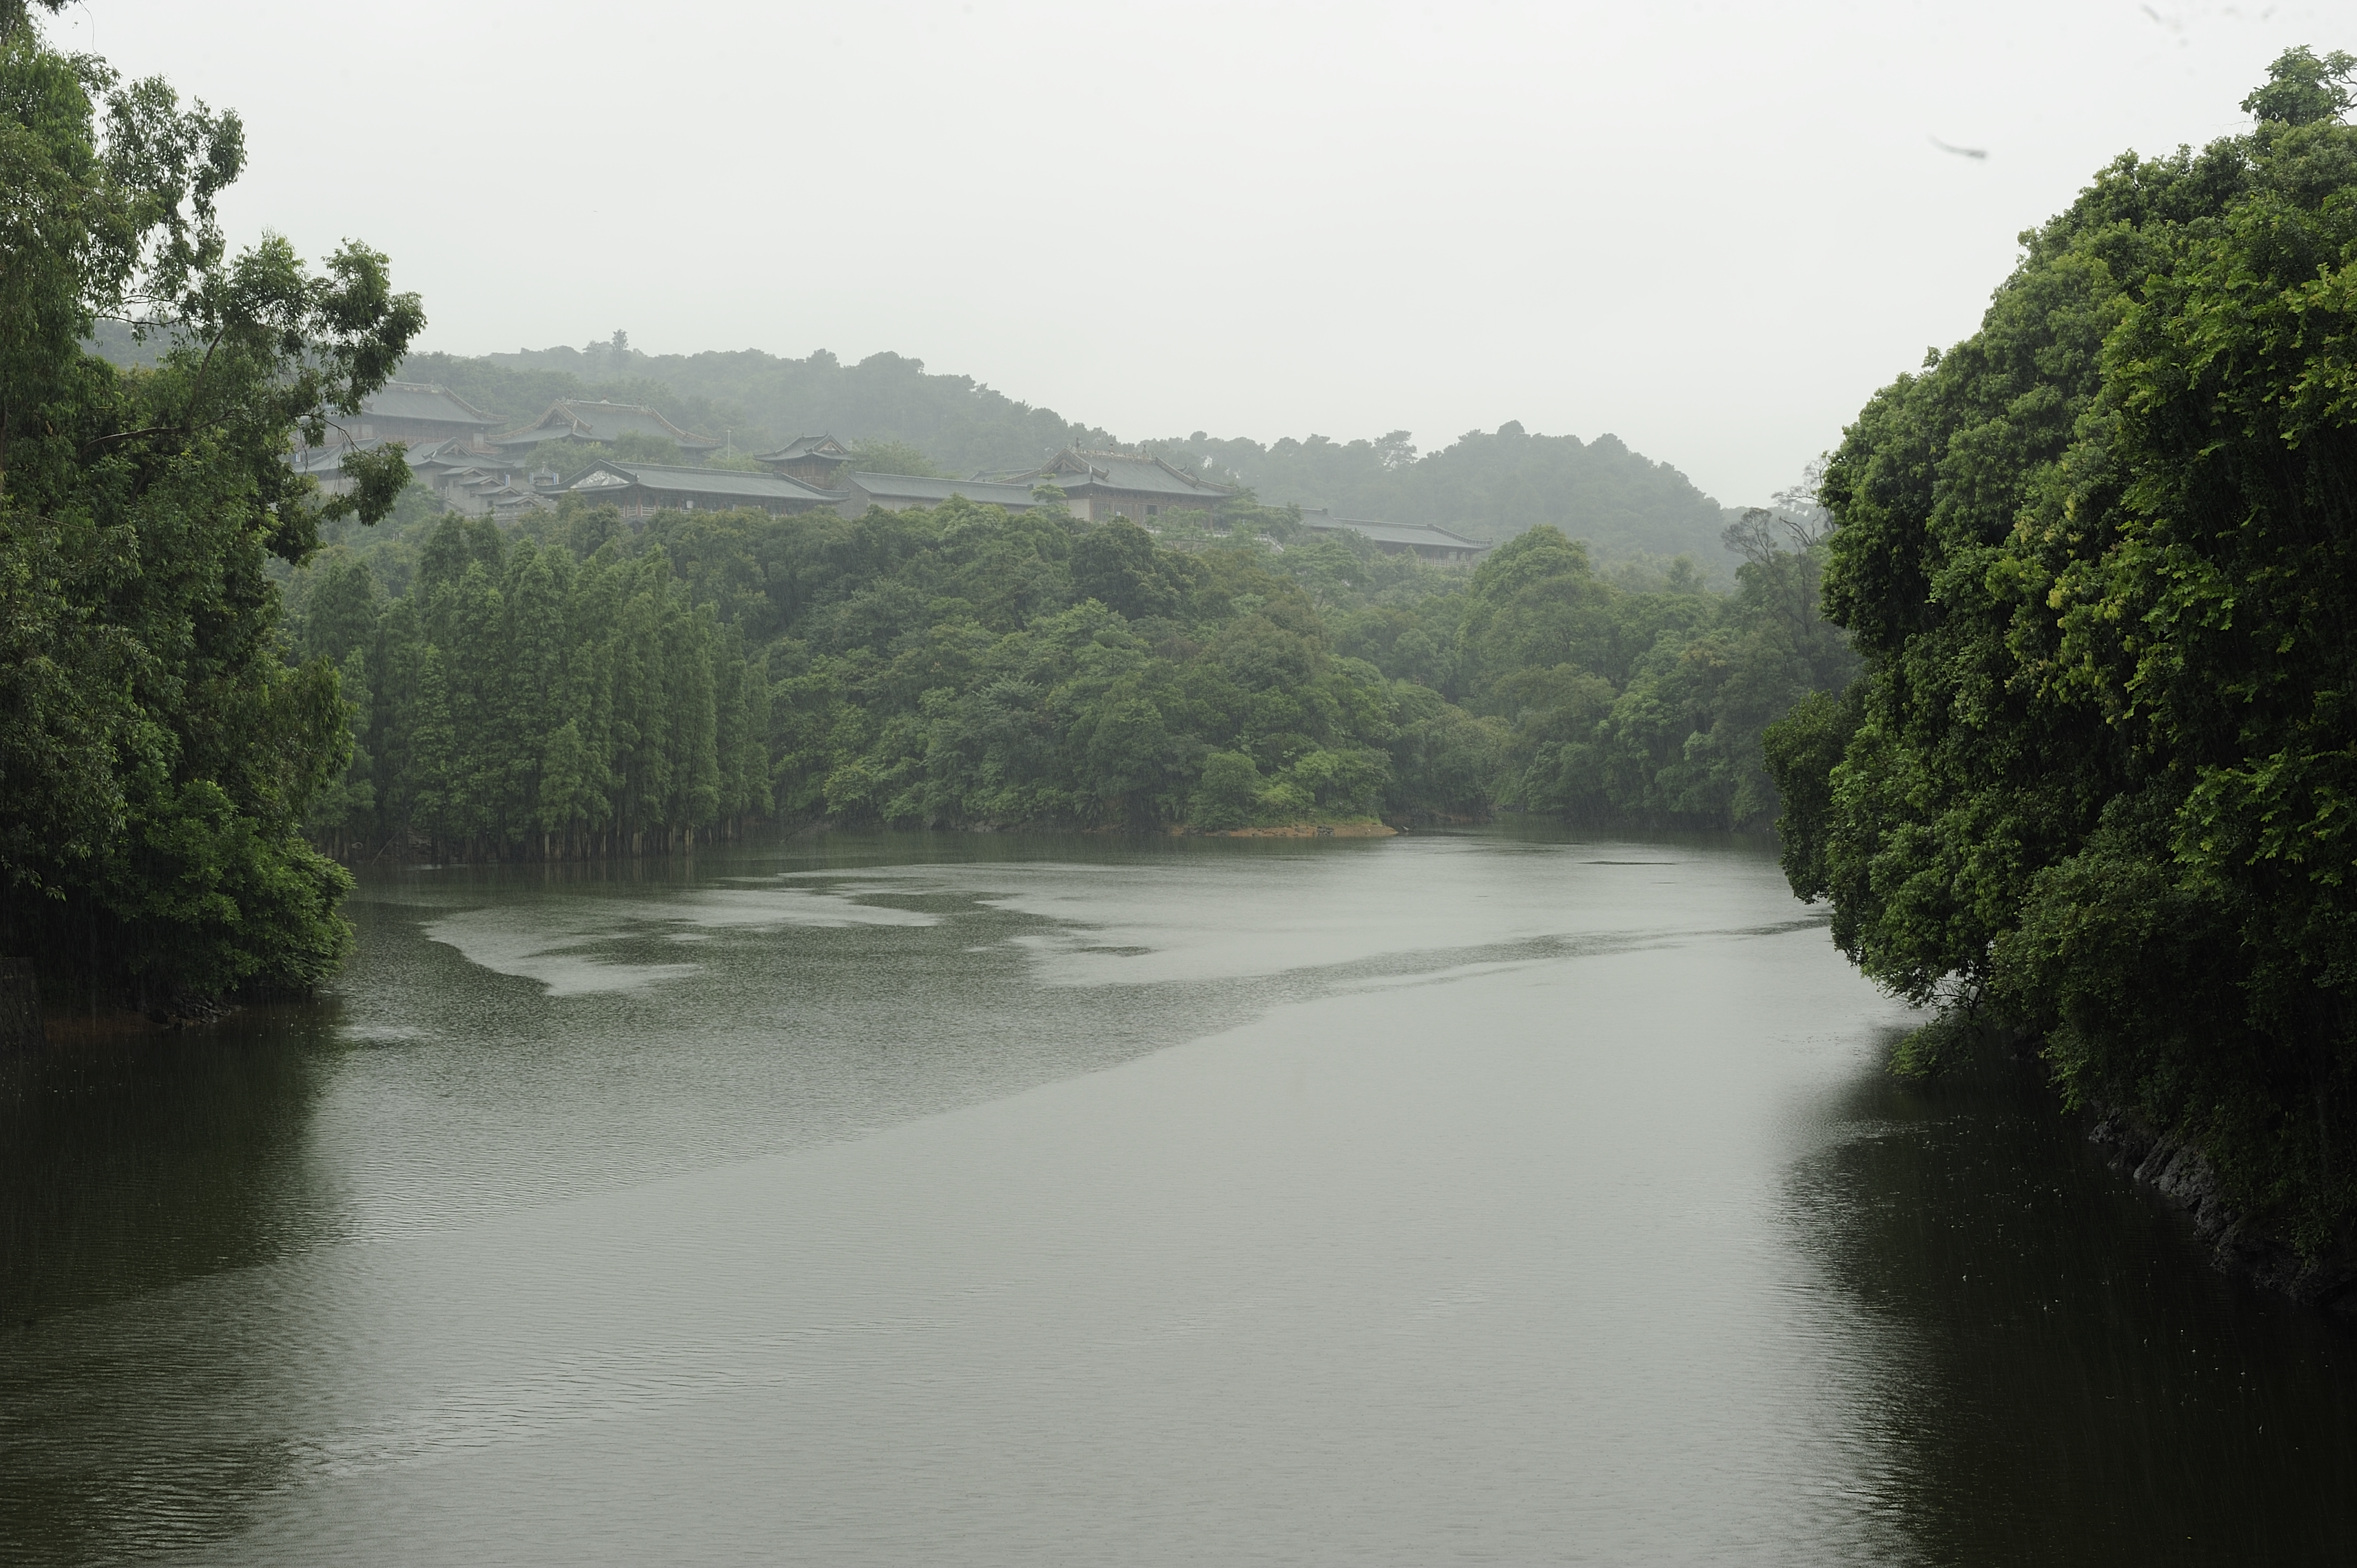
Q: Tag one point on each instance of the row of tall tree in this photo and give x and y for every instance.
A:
(522, 699)
(586, 686)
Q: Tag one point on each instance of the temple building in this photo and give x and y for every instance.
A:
(901, 492)
(1396, 538)
(413, 411)
(573, 419)
(1101, 486)
(812, 460)
(463, 477)
(643, 490)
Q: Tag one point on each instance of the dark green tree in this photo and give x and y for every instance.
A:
(2303, 89)
(656, 684)
(2098, 775)
(1117, 565)
(158, 752)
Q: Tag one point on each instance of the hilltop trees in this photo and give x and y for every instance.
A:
(1492, 483)
(157, 752)
(2098, 777)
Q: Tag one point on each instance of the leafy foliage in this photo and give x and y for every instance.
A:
(965, 667)
(2099, 774)
(877, 455)
(156, 751)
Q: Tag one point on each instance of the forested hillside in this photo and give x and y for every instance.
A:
(2097, 783)
(586, 687)
(1488, 485)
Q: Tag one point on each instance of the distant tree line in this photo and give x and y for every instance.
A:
(1486, 484)
(586, 687)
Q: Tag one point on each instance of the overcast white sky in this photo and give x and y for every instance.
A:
(1711, 229)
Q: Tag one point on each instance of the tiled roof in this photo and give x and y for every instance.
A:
(1073, 471)
(1413, 534)
(802, 447)
(665, 478)
(424, 400)
(330, 459)
(908, 487)
(571, 419)
(451, 453)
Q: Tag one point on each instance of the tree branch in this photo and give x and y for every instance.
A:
(132, 436)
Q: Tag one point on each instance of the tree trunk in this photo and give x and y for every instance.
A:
(20, 1006)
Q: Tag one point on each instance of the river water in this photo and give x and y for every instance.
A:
(931, 1200)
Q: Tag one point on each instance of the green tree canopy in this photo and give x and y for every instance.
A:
(2302, 89)
(549, 693)
(2099, 558)
(156, 751)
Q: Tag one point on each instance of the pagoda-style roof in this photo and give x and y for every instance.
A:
(1075, 472)
(424, 401)
(661, 483)
(326, 460)
(807, 449)
(1422, 538)
(909, 490)
(479, 490)
(454, 453)
(572, 419)
(448, 453)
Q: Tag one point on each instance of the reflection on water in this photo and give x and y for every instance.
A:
(2077, 1388)
(567, 949)
(137, 1163)
(992, 1200)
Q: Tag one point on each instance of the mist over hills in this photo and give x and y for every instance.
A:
(1485, 484)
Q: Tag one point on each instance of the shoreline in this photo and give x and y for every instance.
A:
(2171, 1166)
(1293, 831)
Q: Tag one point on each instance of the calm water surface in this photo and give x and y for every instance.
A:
(927, 1199)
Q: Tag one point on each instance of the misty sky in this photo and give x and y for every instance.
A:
(1711, 229)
